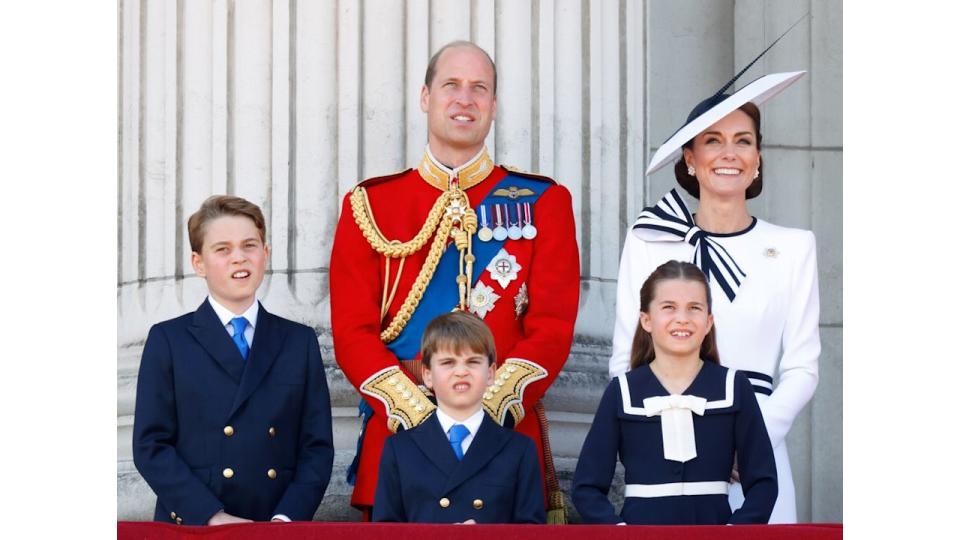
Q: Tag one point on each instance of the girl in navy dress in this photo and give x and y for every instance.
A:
(678, 420)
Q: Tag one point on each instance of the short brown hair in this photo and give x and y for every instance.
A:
(689, 181)
(432, 65)
(642, 351)
(457, 331)
(218, 206)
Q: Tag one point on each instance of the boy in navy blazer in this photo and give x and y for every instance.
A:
(459, 466)
(232, 420)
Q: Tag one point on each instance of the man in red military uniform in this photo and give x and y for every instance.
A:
(457, 232)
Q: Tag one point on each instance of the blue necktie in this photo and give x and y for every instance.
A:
(239, 325)
(457, 434)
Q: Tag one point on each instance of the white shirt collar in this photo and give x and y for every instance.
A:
(453, 172)
(472, 423)
(225, 315)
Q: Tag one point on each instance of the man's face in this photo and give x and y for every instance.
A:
(460, 103)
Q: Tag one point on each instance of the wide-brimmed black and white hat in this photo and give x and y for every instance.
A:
(715, 107)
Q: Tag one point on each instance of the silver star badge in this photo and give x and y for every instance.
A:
(482, 299)
(503, 268)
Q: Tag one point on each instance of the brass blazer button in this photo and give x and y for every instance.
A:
(444, 502)
(179, 521)
(478, 503)
(272, 431)
(228, 431)
(228, 473)
(272, 474)
(173, 515)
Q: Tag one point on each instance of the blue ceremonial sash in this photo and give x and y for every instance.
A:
(442, 293)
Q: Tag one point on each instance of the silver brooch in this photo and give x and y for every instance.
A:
(521, 300)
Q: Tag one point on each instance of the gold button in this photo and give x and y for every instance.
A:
(478, 503)
(444, 502)
(179, 521)
(173, 515)
(272, 431)
(272, 474)
(228, 431)
(228, 473)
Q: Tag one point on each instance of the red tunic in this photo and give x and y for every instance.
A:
(542, 334)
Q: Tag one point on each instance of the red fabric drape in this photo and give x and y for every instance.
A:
(143, 530)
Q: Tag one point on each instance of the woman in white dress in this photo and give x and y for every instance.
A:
(763, 276)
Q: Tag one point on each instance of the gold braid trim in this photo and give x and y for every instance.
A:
(363, 215)
(406, 404)
(505, 396)
(438, 220)
(419, 285)
(451, 208)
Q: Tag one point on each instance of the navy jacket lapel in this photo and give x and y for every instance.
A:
(267, 342)
(434, 444)
(213, 337)
(488, 441)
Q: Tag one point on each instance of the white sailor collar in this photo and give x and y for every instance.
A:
(714, 383)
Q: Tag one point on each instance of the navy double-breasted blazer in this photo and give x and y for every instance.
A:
(213, 431)
(421, 480)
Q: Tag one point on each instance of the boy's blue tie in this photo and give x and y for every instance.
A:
(457, 434)
(239, 325)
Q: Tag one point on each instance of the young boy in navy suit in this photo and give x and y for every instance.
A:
(232, 420)
(459, 466)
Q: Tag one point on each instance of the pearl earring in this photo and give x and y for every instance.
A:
(691, 171)
(756, 174)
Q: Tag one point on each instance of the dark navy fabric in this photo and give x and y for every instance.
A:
(721, 433)
(193, 383)
(756, 375)
(500, 468)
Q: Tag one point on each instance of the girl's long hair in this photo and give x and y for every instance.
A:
(642, 351)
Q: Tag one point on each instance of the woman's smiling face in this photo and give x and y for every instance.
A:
(725, 157)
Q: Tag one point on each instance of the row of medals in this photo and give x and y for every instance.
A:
(504, 225)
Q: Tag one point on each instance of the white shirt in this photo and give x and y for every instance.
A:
(472, 423)
(225, 316)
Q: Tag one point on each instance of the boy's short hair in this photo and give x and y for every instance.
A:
(457, 331)
(218, 206)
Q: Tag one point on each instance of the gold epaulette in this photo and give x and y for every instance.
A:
(406, 404)
(520, 172)
(506, 394)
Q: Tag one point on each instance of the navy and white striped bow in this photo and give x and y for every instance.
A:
(671, 221)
